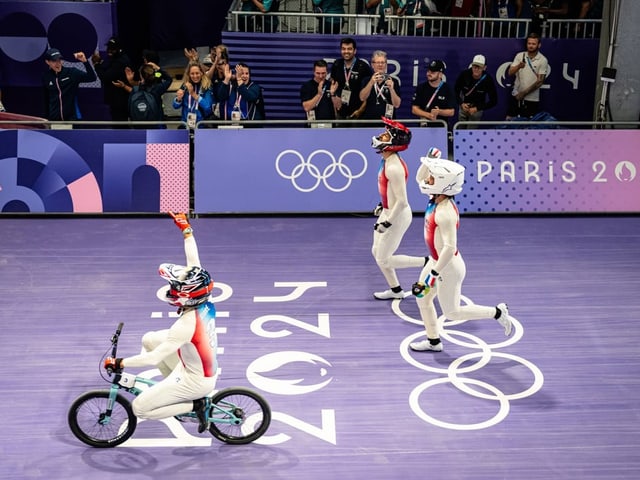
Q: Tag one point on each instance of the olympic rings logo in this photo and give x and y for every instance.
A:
(316, 175)
(463, 366)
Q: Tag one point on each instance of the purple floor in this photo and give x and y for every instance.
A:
(557, 400)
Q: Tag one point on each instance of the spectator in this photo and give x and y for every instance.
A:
(546, 9)
(329, 24)
(349, 72)
(150, 56)
(424, 8)
(61, 85)
(264, 21)
(318, 93)
(240, 98)
(207, 63)
(155, 82)
(433, 99)
(381, 91)
(194, 97)
(220, 59)
(384, 8)
(530, 69)
(109, 72)
(505, 10)
(475, 90)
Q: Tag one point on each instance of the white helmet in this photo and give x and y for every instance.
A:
(448, 177)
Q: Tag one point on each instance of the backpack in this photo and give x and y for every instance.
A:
(143, 106)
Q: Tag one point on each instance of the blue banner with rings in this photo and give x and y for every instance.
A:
(297, 170)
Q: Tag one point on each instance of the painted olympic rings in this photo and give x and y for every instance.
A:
(319, 174)
(458, 371)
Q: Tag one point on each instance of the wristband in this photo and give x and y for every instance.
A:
(187, 231)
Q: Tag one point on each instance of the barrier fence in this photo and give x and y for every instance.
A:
(421, 26)
(545, 168)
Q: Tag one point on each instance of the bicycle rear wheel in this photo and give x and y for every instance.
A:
(89, 423)
(238, 416)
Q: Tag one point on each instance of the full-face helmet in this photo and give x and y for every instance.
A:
(448, 176)
(188, 286)
(399, 137)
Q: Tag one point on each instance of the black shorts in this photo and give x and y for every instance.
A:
(523, 108)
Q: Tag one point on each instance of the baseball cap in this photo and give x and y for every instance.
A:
(52, 54)
(437, 66)
(114, 44)
(479, 60)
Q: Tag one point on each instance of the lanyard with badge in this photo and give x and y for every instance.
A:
(433, 96)
(531, 66)
(192, 117)
(464, 95)
(345, 96)
(311, 114)
(380, 93)
(236, 113)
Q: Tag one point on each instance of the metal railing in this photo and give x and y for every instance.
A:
(437, 26)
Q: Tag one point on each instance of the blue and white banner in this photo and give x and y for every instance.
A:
(297, 170)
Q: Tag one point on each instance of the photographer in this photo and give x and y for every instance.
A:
(546, 9)
(381, 91)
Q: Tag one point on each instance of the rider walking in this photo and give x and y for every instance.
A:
(186, 352)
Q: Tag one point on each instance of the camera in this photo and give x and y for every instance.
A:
(540, 16)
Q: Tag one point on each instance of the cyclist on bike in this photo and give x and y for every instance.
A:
(185, 353)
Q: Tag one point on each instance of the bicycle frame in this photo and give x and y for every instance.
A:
(105, 418)
(127, 382)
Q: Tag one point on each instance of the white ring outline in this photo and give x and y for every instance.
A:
(314, 171)
(455, 380)
(415, 406)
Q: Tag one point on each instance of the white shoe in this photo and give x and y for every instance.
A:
(389, 295)
(504, 319)
(425, 346)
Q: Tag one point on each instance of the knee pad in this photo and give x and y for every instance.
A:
(138, 408)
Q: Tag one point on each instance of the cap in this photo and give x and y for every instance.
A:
(479, 60)
(114, 44)
(207, 60)
(53, 54)
(437, 66)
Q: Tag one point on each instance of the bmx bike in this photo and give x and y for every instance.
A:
(104, 418)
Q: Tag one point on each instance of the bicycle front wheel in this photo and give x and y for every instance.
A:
(238, 416)
(90, 423)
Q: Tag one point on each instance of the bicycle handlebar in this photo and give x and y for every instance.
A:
(114, 340)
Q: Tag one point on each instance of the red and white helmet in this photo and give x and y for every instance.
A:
(188, 286)
(399, 137)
